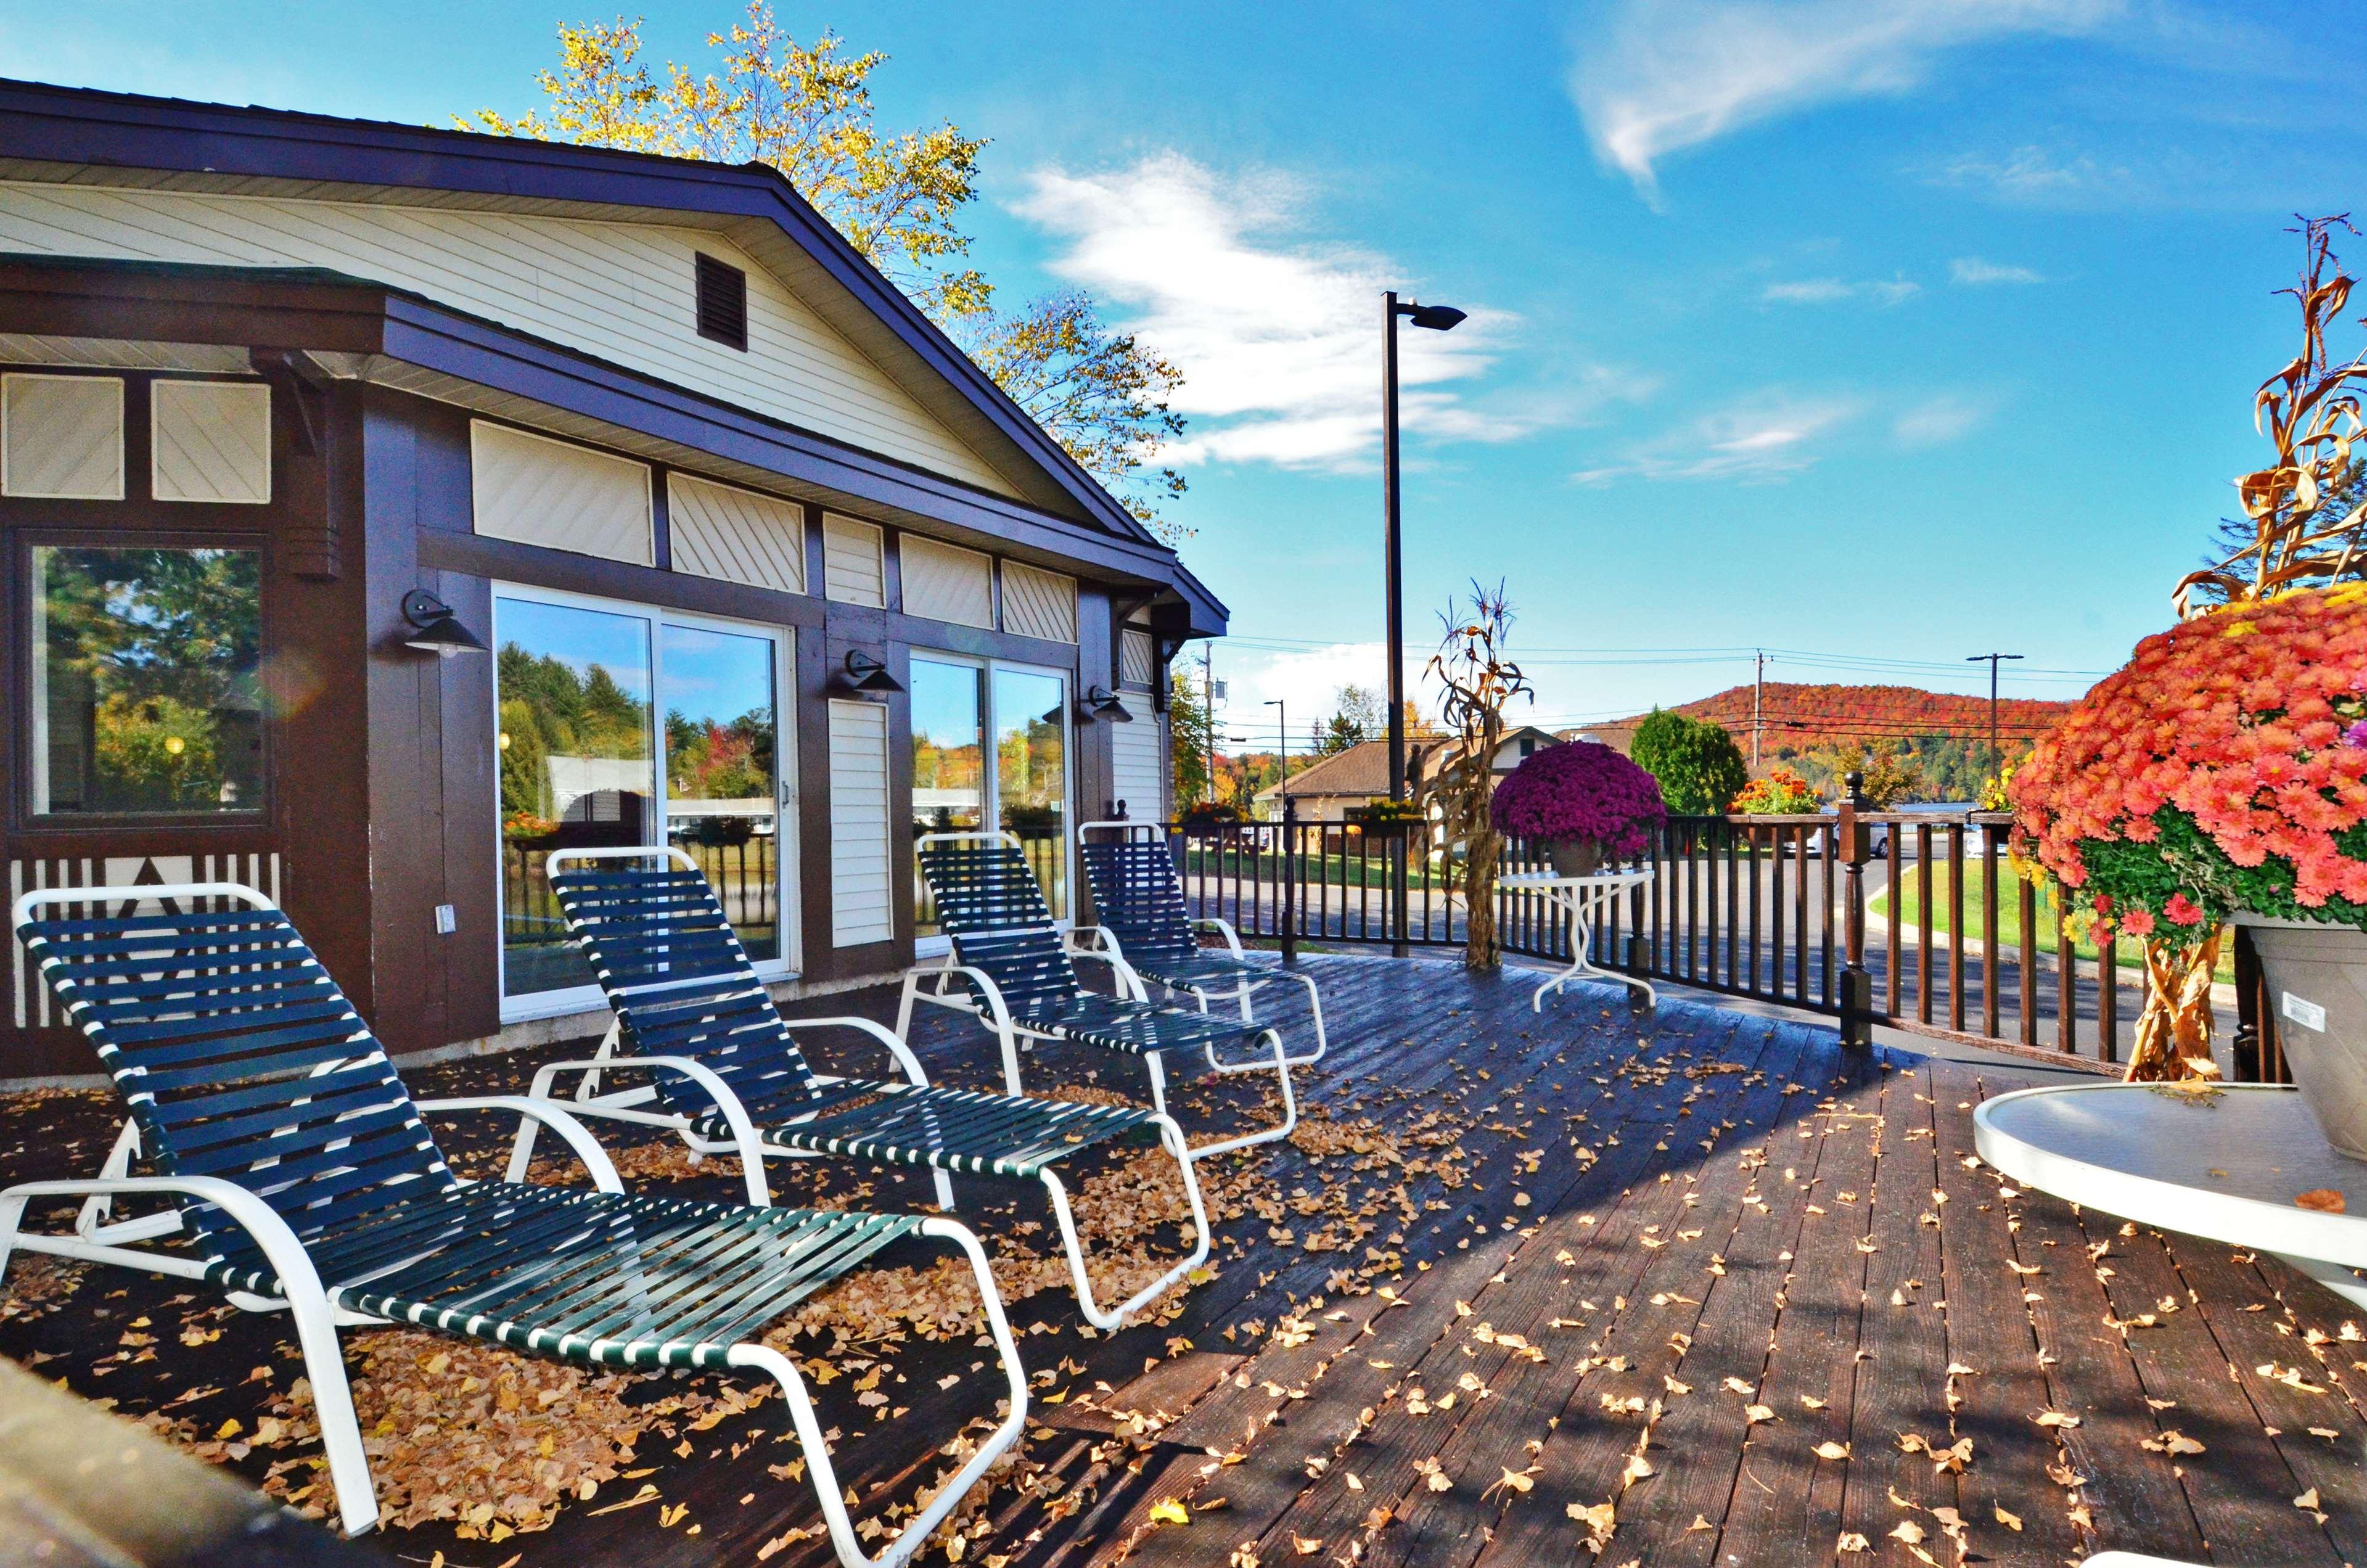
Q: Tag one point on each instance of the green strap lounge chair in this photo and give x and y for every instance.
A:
(724, 1072)
(303, 1179)
(1009, 968)
(1139, 903)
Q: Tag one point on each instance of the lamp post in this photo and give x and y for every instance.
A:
(1282, 783)
(1436, 318)
(1995, 762)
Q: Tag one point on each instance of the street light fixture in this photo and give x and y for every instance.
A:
(1436, 318)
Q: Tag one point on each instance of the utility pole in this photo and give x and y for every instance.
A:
(1208, 720)
(1996, 767)
(1758, 705)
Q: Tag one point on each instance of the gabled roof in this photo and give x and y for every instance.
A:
(51, 132)
(1362, 770)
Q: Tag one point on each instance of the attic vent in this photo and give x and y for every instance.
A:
(722, 302)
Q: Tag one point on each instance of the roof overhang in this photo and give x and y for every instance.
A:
(356, 329)
(55, 133)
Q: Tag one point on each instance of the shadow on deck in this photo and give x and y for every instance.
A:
(1697, 1286)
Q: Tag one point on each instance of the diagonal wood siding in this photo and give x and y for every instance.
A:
(61, 437)
(944, 582)
(559, 495)
(210, 441)
(1037, 603)
(721, 530)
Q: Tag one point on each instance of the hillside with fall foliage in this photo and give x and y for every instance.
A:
(1945, 732)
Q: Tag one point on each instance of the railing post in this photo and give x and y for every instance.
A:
(1289, 879)
(1400, 841)
(1849, 843)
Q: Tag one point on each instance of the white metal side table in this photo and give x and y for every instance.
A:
(1583, 901)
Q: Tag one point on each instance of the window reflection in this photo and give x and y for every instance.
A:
(949, 761)
(577, 768)
(1031, 773)
(722, 782)
(145, 694)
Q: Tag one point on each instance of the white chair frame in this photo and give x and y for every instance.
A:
(752, 1148)
(1095, 941)
(991, 1009)
(318, 1313)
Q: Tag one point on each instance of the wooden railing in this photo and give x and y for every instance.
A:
(1909, 920)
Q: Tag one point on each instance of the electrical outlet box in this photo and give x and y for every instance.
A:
(448, 920)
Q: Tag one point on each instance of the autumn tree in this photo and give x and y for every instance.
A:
(1888, 771)
(1188, 713)
(806, 110)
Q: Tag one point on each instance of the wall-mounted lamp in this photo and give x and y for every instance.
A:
(866, 674)
(434, 628)
(1100, 702)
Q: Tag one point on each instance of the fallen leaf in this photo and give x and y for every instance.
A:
(2010, 1521)
(2323, 1199)
(1832, 1450)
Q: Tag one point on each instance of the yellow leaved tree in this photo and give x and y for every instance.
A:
(806, 110)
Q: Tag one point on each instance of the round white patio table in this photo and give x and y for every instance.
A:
(2226, 1166)
(1583, 901)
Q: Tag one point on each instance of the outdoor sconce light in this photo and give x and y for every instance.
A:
(435, 629)
(867, 675)
(1100, 702)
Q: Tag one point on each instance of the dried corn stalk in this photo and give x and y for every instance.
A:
(2312, 413)
(1480, 681)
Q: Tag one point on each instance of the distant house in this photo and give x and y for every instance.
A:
(1360, 774)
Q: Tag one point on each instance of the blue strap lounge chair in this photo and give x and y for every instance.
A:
(1009, 968)
(1142, 918)
(727, 1075)
(304, 1179)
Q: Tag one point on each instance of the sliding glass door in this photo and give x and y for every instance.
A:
(991, 753)
(621, 725)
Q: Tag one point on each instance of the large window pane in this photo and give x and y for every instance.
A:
(1031, 773)
(722, 781)
(145, 700)
(948, 760)
(577, 767)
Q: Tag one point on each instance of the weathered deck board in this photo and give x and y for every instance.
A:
(1227, 1426)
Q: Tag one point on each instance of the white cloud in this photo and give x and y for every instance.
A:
(1937, 420)
(1663, 75)
(1308, 680)
(1278, 335)
(1764, 442)
(1973, 272)
(2030, 174)
(1829, 290)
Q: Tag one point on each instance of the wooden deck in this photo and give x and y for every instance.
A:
(1700, 1287)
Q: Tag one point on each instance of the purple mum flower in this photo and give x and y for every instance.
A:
(1581, 789)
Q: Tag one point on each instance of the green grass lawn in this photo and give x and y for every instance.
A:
(2009, 924)
(1338, 870)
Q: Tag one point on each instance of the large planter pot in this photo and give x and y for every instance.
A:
(1574, 856)
(2316, 976)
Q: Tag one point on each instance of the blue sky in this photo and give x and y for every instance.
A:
(1872, 331)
